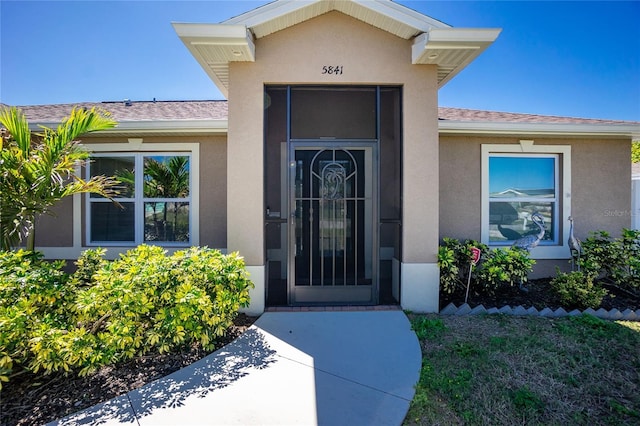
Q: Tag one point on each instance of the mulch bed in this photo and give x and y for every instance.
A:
(29, 399)
(35, 400)
(539, 295)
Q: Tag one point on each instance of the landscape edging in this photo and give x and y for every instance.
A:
(613, 314)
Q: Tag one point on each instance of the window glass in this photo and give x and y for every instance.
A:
(527, 177)
(120, 167)
(166, 221)
(154, 207)
(520, 186)
(166, 177)
(110, 222)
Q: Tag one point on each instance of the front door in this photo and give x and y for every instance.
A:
(333, 212)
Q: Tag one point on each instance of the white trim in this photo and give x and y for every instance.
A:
(134, 145)
(445, 127)
(257, 295)
(560, 251)
(387, 9)
(557, 129)
(420, 288)
(205, 126)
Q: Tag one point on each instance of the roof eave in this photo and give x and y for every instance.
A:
(214, 46)
(544, 129)
(282, 14)
(451, 49)
(155, 127)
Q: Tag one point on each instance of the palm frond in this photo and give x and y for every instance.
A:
(34, 175)
(17, 125)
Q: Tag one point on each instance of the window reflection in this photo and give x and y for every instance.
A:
(518, 187)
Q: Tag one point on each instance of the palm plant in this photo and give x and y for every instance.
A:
(36, 171)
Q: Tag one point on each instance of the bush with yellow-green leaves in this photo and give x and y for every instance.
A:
(111, 311)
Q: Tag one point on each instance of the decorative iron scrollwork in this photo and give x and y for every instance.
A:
(333, 182)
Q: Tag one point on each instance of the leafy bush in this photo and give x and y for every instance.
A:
(497, 267)
(578, 289)
(107, 312)
(613, 259)
(454, 259)
(504, 266)
(89, 262)
(33, 294)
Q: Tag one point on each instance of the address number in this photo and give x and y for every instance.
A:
(332, 70)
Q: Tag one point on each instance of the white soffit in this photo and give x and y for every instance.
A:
(451, 49)
(215, 45)
(435, 43)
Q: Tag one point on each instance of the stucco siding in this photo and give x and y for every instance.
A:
(600, 192)
(460, 191)
(601, 186)
(297, 56)
(57, 231)
(213, 192)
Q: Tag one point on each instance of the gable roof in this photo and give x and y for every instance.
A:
(210, 117)
(214, 46)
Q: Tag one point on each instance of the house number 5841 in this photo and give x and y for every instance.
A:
(332, 70)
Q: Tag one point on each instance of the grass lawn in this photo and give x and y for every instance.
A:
(502, 370)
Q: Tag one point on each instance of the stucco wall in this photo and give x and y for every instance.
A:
(368, 56)
(57, 231)
(600, 193)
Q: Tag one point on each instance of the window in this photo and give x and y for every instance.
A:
(519, 180)
(519, 186)
(154, 204)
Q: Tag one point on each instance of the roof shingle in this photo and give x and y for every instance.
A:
(123, 111)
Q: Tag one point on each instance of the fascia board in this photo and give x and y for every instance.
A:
(403, 14)
(555, 129)
(179, 126)
(454, 39)
(216, 35)
(269, 11)
(474, 40)
(389, 9)
(209, 31)
(474, 36)
(227, 35)
(157, 126)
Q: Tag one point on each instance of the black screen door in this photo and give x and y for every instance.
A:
(332, 235)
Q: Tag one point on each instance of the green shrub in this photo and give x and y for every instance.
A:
(508, 266)
(616, 260)
(112, 311)
(454, 259)
(32, 292)
(89, 262)
(497, 267)
(578, 289)
(146, 300)
(449, 270)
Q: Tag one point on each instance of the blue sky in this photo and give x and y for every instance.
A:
(572, 58)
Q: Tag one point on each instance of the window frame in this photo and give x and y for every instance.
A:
(527, 148)
(136, 149)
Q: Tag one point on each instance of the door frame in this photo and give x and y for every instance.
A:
(310, 295)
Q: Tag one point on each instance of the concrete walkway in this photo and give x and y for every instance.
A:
(289, 368)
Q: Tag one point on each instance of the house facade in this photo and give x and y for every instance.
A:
(331, 168)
